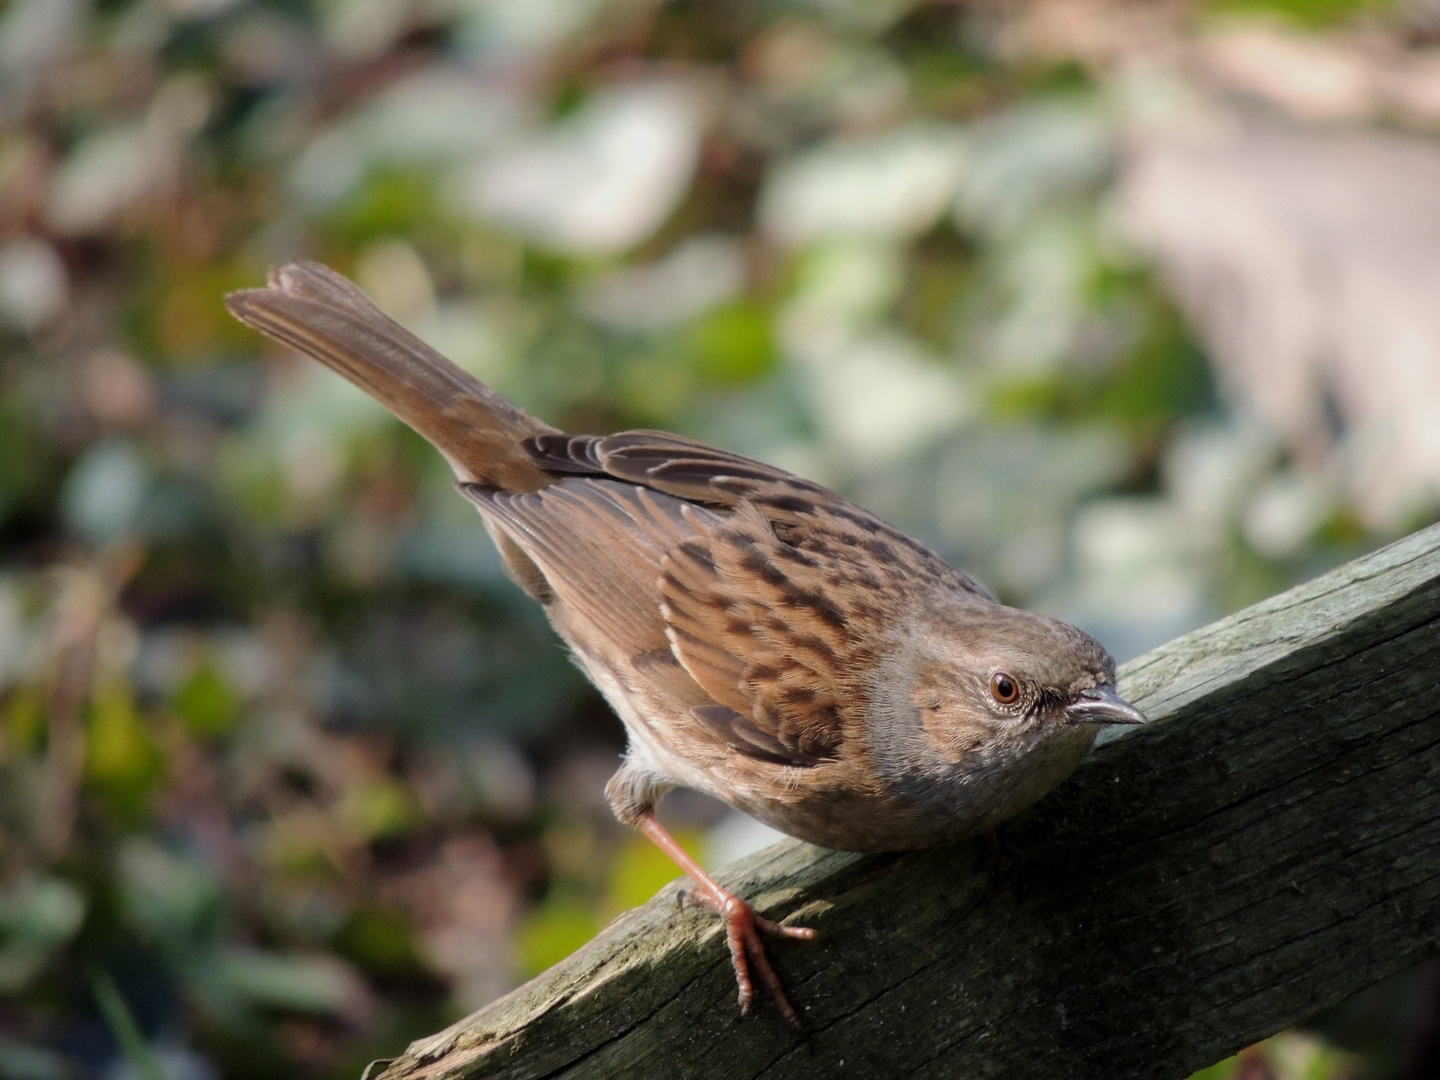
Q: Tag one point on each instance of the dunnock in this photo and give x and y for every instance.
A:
(763, 639)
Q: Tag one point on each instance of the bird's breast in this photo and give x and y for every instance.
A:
(934, 802)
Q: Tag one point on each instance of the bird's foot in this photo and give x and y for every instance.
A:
(743, 928)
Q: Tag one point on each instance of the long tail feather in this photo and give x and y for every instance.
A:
(317, 311)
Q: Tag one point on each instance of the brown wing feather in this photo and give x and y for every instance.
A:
(738, 733)
(754, 622)
(670, 463)
(745, 615)
(802, 513)
(600, 545)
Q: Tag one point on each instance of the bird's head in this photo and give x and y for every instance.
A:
(994, 672)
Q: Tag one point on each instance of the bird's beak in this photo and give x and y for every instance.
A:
(1102, 705)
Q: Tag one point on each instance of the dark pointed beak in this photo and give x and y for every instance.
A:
(1102, 705)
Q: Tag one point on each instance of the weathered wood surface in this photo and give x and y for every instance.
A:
(1269, 845)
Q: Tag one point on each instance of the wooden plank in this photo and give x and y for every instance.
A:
(1268, 846)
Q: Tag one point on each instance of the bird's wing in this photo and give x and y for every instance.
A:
(770, 591)
(800, 512)
(600, 545)
(732, 625)
(761, 626)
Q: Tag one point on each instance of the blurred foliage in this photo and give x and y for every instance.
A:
(289, 773)
(1288, 1056)
(1310, 13)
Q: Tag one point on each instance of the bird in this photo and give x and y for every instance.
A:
(762, 639)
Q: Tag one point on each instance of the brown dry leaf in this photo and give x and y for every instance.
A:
(1309, 261)
(1352, 75)
(1364, 72)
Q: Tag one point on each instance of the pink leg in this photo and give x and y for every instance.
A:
(742, 925)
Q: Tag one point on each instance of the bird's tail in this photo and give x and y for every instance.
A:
(317, 311)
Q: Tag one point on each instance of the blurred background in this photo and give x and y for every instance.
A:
(1133, 309)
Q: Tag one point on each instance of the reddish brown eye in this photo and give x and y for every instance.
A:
(1005, 689)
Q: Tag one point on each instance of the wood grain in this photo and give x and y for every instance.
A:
(1268, 846)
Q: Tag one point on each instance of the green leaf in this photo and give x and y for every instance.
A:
(122, 1023)
(640, 870)
(734, 344)
(120, 758)
(380, 940)
(553, 931)
(206, 701)
(314, 984)
(24, 720)
(381, 808)
(1311, 13)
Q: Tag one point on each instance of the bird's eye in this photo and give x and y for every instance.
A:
(1004, 689)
